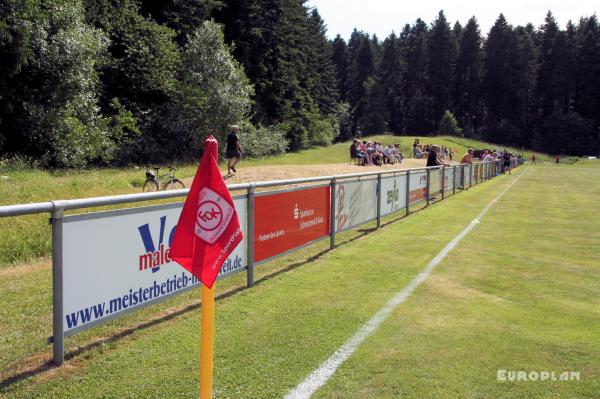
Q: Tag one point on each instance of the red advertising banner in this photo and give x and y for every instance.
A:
(284, 221)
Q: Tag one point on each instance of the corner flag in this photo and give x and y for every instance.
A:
(208, 229)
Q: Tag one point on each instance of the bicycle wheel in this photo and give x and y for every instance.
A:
(174, 184)
(150, 185)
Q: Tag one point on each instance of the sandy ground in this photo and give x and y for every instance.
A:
(280, 172)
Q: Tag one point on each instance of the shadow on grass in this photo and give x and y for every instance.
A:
(47, 365)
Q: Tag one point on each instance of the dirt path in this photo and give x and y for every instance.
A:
(280, 172)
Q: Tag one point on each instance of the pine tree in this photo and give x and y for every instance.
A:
(418, 102)
(441, 52)
(467, 81)
(499, 83)
(339, 57)
(391, 70)
(361, 67)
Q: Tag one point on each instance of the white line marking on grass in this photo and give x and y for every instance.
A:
(320, 376)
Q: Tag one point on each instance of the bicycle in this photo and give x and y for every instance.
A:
(153, 180)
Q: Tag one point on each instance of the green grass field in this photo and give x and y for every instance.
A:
(520, 292)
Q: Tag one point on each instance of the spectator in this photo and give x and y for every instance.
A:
(468, 157)
(397, 155)
(388, 154)
(432, 158)
(487, 157)
(356, 153)
(233, 151)
(506, 166)
(363, 148)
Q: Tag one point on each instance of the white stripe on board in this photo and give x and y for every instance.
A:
(320, 376)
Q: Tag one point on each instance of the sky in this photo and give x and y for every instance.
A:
(380, 17)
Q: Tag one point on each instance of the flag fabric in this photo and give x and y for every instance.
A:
(208, 229)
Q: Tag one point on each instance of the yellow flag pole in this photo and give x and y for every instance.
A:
(207, 341)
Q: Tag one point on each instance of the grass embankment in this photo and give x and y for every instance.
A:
(26, 238)
(519, 293)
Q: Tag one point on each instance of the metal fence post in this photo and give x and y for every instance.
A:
(379, 197)
(407, 192)
(58, 334)
(332, 210)
(250, 238)
(470, 175)
(454, 180)
(443, 181)
(427, 196)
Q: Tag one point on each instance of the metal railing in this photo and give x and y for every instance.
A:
(475, 173)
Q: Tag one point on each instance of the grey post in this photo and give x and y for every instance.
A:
(407, 192)
(443, 178)
(427, 191)
(58, 334)
(379, 198)
(250, 238)
(470, 175)
(332, 210)
(454, 179)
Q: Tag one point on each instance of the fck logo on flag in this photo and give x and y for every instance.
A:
(214, 215)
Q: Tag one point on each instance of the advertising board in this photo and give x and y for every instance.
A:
(116, 261)
(393, 194)
(356, 203)
(418, 186)
(287, 220)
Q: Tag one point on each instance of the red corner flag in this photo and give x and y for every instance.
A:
(208, 229)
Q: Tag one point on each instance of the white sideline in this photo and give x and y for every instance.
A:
(320, 376)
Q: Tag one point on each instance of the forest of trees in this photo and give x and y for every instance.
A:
(106, 82)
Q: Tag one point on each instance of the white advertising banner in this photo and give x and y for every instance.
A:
(116, 261)
(449, 179)
(435, 185)
(418, 186)
(356, 203)
(393, 194)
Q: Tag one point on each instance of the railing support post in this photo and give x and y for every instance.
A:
(427, 191)
(332, 211)
(407, 192)
(443, 182)
(58, 334)
(454, 180)
(250, 238)
(379, 197)
(470, 175)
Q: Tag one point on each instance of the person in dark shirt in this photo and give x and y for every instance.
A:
(506, 159)
(432, 158)
(233, 151)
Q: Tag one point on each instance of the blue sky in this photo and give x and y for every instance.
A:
(383, 16)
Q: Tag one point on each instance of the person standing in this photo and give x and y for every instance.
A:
(468, 157)
(506, 157)
(533, 158)
(432, 157)
(233, 151)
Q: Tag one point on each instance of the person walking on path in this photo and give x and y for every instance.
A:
(533, 158)
(233, 151)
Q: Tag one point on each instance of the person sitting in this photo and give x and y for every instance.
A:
(397, 155)
(376, 159)
(388, 154)
(363, 148)
(356, 153)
